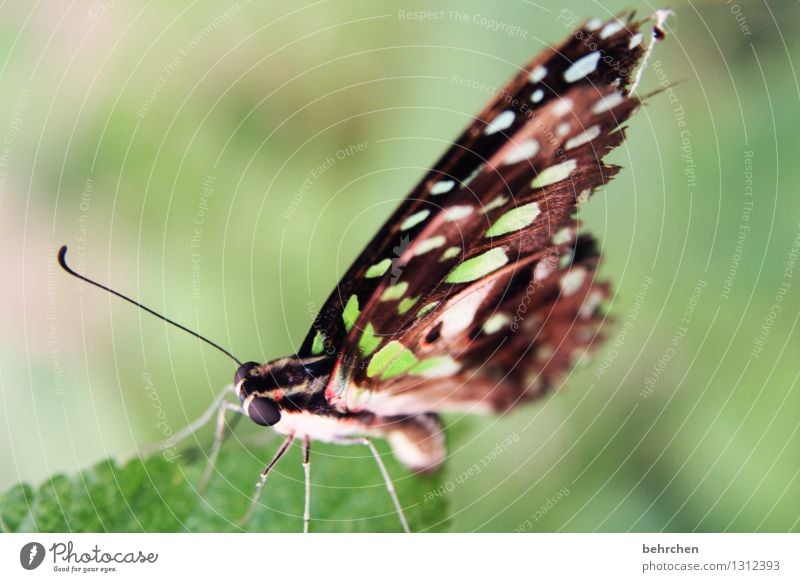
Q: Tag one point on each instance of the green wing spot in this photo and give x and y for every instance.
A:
(385, 357)
(394, 292)
(495, 323)
(450, 253)
(350, 313)
(426, 308)
(436, 367)
(554, 174)
(414, 219)
(318, 344)
(495, 203)
(378, 269)
(402, 363)
(407, 304)
(477, 267)
(516, 219)
(368, 342)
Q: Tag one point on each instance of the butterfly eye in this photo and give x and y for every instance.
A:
(263, 411)
(243, 372)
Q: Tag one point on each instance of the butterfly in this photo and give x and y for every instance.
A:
(479, 292)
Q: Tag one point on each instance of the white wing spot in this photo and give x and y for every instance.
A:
(591, 304)
(429, 244)
(415, 219)
(572, 281)
(442, 187)
(501, 122)
(611, 29)
(459, 313)
(562, 129)
(457, 212)
(583, 138)
(436, 367)
(544, 352)
(582, 67)
(537, 74)
(522, 151)
(562, 107)
(562, 236)
(537, 95)
(468, 180)
(635, 41)
(543, 269)
(608, 102)
(594, 24)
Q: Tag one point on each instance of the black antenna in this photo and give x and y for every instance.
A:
(62, 260)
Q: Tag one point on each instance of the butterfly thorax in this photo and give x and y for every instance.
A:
(289, 395)
(292, 383)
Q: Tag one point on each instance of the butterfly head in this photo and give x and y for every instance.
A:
(254, 390)
(286, 384)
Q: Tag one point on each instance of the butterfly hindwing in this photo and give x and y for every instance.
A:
(478, 290)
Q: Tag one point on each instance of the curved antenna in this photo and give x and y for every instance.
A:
(62, 260)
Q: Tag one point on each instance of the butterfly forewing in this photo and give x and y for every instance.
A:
(478, 290)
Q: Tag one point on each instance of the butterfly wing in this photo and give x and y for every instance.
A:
(478, 292)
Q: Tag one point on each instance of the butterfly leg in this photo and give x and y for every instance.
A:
(263, 477)
(201, 421)
(389, 484)
(384, 472)
(219, 406)
(307, 472)
(220, 433)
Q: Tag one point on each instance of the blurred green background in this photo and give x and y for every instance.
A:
(175, 146)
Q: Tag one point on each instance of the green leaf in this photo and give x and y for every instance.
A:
(154, 494)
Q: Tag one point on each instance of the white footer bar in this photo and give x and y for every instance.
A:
(388, 557)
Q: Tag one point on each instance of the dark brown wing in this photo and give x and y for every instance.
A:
(477, 291)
